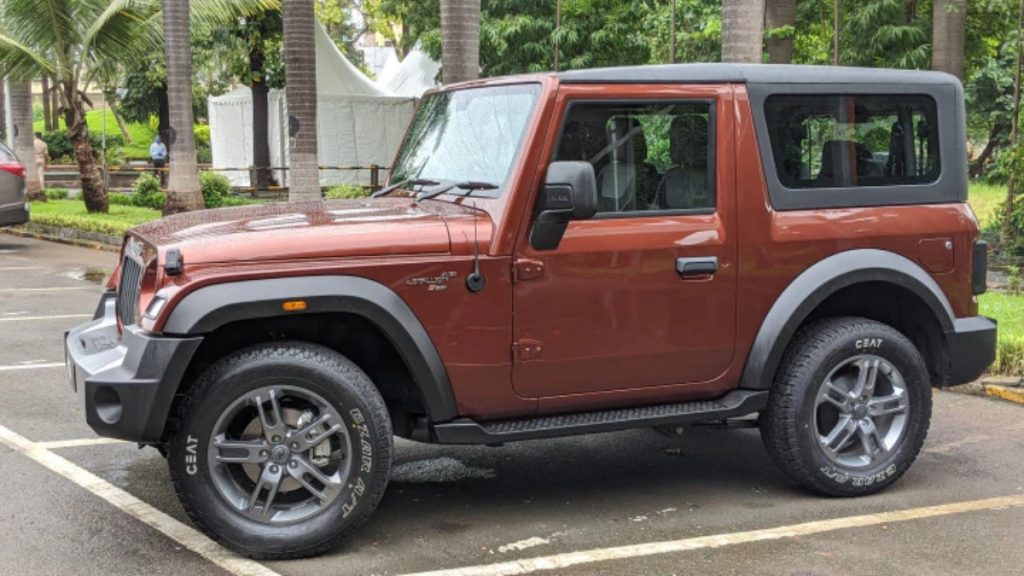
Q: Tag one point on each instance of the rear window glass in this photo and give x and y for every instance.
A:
(6, 156)
(843, 141)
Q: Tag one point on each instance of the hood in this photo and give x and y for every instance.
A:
(325, 229)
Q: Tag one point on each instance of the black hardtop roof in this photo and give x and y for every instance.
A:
(711, 73)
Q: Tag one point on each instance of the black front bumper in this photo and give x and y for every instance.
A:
(972, 348)
(126, 382)
(13, 214)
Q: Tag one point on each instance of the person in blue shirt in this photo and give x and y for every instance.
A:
(158, 156)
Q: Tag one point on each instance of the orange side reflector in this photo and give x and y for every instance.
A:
(294, 306)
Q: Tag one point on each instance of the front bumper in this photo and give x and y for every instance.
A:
(126, 383)
(972, 348)
(13, 214)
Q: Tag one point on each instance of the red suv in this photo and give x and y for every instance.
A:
(560, 254)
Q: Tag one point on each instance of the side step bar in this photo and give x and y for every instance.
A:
(468, 431)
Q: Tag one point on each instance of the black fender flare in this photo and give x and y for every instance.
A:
(817, 283)
(211, 307)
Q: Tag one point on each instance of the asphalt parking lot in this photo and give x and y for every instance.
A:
(623, 503)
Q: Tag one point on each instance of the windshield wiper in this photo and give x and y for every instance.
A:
(403, 183)
(469, 186)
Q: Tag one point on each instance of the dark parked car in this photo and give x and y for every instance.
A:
(13, 207)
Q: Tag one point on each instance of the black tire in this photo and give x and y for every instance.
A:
(305, 367)
(790, 427)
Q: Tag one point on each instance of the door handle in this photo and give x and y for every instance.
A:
(700, 266)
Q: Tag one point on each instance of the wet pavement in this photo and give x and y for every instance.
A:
(451, 507)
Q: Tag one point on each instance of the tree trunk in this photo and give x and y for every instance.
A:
(24, 148)
(300, 93)
(779, 13)
(183, 193)
(164, 116)
(94, 190)
(1011, 188)
(55, 106)
(47, 117)
(742, 30)
(460, 40)
(948, 19)
(3, 109)
(260, 119)
(995, 138)
(121, 126)
(260, 135)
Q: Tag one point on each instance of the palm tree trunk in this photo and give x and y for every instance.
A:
(300, 94)
(779, 13)
(260, 118)
(47, 117)
(183, 193)
(94, 189)
(460, 40)
(3, 109)
(742, 30)
(21, 112)
(948, 23)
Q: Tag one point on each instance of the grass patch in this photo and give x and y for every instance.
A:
(1008, 310)
(72, 214)
(141, 135)
(985, 199)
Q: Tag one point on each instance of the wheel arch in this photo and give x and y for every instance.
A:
(221, 306)
(837, 286)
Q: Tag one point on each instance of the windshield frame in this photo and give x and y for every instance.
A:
(516, 158)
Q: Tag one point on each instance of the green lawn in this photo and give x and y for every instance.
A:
(985, 199)
(71, 213)
(141, 135)
(1008, 309)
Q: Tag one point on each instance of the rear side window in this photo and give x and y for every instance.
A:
(852, 141)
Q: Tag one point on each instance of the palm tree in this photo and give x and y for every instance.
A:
(948, 23)
(183, 191)
(460, 40)
(300, 94)
(71, 40)
(779, 14)
(742, 30)
(21, 113)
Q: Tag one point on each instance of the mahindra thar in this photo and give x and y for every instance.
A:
(556, 254)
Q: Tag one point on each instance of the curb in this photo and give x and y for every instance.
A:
(999, 388)
(45, 234)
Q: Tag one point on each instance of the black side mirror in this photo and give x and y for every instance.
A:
(570, 193)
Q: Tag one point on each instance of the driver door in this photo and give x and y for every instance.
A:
(643, 295)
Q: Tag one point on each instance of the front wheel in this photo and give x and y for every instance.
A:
(281, 449)
(850, 407)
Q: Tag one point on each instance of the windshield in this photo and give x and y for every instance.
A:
(467, 135)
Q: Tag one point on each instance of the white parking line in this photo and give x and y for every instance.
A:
(78, 443)
(31, 366)
(53, 317)
(48, 289)
(175, 530)
(562, 561)
(15, 268)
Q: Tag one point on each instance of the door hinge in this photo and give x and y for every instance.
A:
(526, 349)
(527, 269)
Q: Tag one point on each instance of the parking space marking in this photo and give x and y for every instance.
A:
(48, 289)
(175, 530)
(18, 268)
(31, 366)
(52, 317)
(78, 443)
(565, 560)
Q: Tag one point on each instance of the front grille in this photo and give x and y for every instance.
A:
(128, 289)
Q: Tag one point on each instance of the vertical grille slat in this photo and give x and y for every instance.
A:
(128, 289)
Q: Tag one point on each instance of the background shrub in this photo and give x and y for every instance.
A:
(346, 192)
(56, 193)
(146, 192)
(215, 187)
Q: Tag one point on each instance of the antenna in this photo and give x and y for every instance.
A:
(475, 281)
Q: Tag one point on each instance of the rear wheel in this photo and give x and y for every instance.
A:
(281, 449)
(849, 408)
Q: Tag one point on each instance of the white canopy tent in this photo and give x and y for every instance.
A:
(359, 122)
(411, 77)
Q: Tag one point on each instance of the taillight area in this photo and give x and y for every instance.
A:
(14, 168)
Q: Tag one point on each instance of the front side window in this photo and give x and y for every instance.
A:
(467, 135)
(648, 157)
(843, 141)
